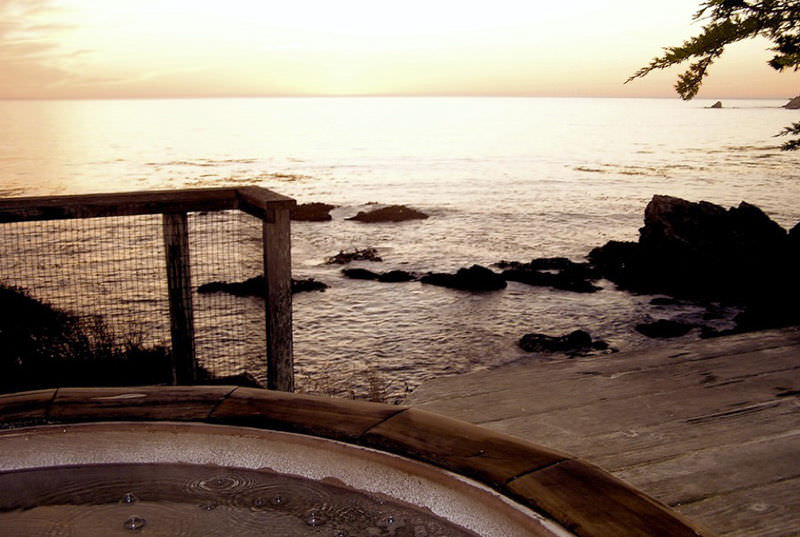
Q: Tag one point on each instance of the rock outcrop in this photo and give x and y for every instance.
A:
(664, 328)
(716, 105)
(474, 278)
(392, 276)
(256, 287)
(699, 250)
(312, 212)
(793, 104)
(557, 272)
(307, 284)
(794, 240)
(705, 252)
(576, 342)
(343, 258)
(391, 213)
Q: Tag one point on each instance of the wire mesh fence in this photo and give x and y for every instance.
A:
(111, 268)
(229, 330)
(106, 277)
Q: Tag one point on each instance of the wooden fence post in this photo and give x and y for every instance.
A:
(277, 277)
(179, 282)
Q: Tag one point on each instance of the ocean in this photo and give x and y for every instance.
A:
(501, 178)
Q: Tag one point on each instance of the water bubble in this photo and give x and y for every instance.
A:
(219, 484)
(134, 523)
(208, 506)
(128, 497)
(259, 502)
(339, 533)
(385, 521)
(277, 500)
(315, 518)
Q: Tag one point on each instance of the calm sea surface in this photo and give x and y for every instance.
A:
(501, 178)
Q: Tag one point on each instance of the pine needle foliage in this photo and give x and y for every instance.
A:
(726, 22)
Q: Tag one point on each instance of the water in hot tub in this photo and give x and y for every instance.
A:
(193, 500)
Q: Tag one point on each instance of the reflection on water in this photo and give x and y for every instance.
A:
(192, 500)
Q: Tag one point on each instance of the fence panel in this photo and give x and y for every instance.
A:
(131, 265)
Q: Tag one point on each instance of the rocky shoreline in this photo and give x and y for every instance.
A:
(705, 253)
(693, 252)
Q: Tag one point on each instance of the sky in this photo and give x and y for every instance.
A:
(195, 48)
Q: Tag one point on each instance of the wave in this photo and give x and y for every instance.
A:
(203, 163)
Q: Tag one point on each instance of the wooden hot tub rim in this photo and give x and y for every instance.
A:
(583, 498)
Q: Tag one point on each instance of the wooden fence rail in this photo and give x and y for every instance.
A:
(271, 208)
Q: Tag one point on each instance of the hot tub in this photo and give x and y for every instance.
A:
(481, 481)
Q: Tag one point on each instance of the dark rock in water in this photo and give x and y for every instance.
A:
(561, 280)
(308, 284)
(702, 251)
(665, 301)
(758, 316)
(717, 104)
(619, 262)
(531, 277)
(548, 263)
(583, 270)
(708, 230)
(551, 263)
(767, 314)
(793, 104)
(250, 287)
(342, 258)
(577, 339)
(392, 213)
(664, 328)
(557, 272)
(794, 248)
(393, 276)
(475, 278)
(397, 276)
(540, 343)
(257, 287)
(360, 274)
(575, 342)
(312, 212)
(245, 380)
(712, 314)
(707, 332)
(794, 240)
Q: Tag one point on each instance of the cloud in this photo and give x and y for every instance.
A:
(31, 54)
(25, 7)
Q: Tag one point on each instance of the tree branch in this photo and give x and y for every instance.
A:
(791, 145)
